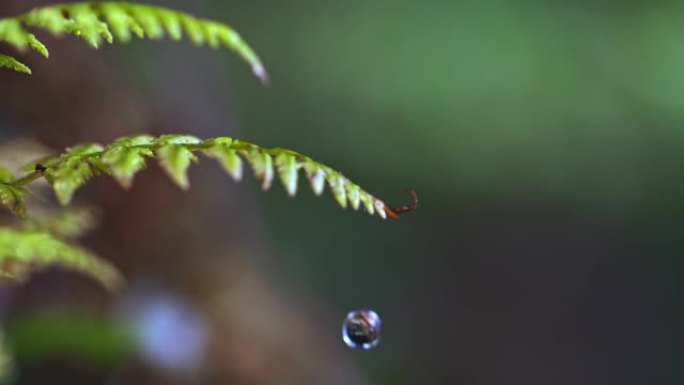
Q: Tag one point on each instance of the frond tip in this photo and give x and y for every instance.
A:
(175, 153)
(96, 23)
(395, 212)
(25, 251)
(14, 64)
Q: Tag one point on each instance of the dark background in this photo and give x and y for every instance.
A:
(545, 139)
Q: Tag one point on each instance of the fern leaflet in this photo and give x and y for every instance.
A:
(13, 64)
(175, 153)
(96, 22)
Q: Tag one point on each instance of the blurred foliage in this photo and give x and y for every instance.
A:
(40, 337)
(6, 361)
(67, 223)
(24, 251)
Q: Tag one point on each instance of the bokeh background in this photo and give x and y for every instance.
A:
(546, 141)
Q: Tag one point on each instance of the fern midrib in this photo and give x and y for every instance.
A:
(26, 179)
(237, 145)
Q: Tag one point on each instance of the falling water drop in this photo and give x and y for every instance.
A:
(361, 329)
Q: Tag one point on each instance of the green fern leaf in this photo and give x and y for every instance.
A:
(175, 153)
(337, 183)
(288, 172)
(126, 156)
(175, 160)
(23, 251)
(13, 64)
(316, 177)
(368, 202)
(13, 198)
(221, 150)
(122, 22)
(75, 169)
(96, 23)
(262, 165)
(12, 32)
(353, 195)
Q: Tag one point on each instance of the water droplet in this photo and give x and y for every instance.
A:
(361, 329)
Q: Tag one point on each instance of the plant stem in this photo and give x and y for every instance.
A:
(26, 179)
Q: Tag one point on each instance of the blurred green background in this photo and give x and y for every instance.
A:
(545, 139)
(546, 142)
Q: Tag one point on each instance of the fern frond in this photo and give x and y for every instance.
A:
(25, 251)
(96, 23)
(175, 153)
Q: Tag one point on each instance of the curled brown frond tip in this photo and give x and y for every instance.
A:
(395, 212)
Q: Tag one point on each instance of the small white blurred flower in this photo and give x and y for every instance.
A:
(170, 334)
